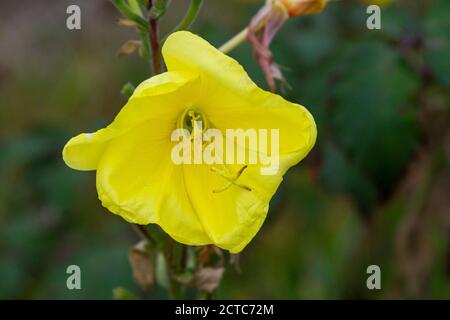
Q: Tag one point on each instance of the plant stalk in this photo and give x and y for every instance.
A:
(154, 43)
(235, 41)
(191, 15)
(143, 233)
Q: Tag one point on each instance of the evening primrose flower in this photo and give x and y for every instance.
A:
(196, 204)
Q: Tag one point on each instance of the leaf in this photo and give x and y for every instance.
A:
(124, 9)
(129, 47)
(143, 2)
(207, 279)
(142, 265)
(159, 8)
(126, 23)
(135, 6)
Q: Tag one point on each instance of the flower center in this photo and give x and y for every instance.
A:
(193, 118)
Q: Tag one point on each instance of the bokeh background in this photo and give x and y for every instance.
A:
(375, 189)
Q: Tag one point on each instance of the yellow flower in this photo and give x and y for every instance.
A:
(195, 204)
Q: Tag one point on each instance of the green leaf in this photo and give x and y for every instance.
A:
(124, 9)
(159, 8)
(135, 6)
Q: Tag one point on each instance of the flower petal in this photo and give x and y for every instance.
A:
(137, 180)
(151, 99)
(234, 101)
(262, 110)
(185, 51)
(230, 217)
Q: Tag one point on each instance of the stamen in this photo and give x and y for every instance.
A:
(190, 117)
(193, 115)
(231, 179)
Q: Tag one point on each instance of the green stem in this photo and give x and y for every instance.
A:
(143, 233)
(168, 256)
(183, 259)
(240, 38)
(143, 35)
(235, 41)
(190, 16)
(145, 45)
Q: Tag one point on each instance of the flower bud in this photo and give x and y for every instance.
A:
(304, 7)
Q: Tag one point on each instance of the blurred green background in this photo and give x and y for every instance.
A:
(375, 189)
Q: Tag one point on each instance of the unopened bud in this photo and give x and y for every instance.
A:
(304, 7)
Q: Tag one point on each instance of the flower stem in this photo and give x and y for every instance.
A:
(240, 38)
(234, 42)
(173, 286)
(190, 16)
(143, 233)
(154, 42)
